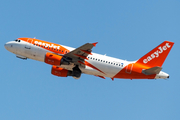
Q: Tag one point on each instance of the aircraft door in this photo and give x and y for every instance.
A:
(129, 68)
(28, 44)
(29, 49)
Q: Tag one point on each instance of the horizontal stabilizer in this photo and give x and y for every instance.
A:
(153, 70)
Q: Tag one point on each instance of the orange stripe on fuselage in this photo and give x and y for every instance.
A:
(56, 48)
(134, 71)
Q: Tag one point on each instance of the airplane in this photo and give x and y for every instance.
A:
(68, 61)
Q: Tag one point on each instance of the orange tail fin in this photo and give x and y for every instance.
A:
(157, 56)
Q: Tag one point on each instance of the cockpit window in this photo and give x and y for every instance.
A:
(17, 40)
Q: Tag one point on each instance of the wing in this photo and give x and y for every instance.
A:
(78, 55)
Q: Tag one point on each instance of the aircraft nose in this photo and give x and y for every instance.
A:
(8, 46)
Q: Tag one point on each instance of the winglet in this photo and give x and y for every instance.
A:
(95, 44)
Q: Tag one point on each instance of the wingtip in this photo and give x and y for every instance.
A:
(95, 44)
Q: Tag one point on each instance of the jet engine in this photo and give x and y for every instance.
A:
(54, 59)
(60, 72)
(57, 71)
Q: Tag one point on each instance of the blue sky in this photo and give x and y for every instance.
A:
(125, 29)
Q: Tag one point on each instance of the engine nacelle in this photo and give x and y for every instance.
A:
(53, 59)
(57, 71)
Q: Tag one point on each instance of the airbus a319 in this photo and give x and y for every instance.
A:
(68, 61)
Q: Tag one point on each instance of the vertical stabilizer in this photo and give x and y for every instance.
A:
(157, 56)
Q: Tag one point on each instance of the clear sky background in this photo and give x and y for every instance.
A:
(125, 29)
